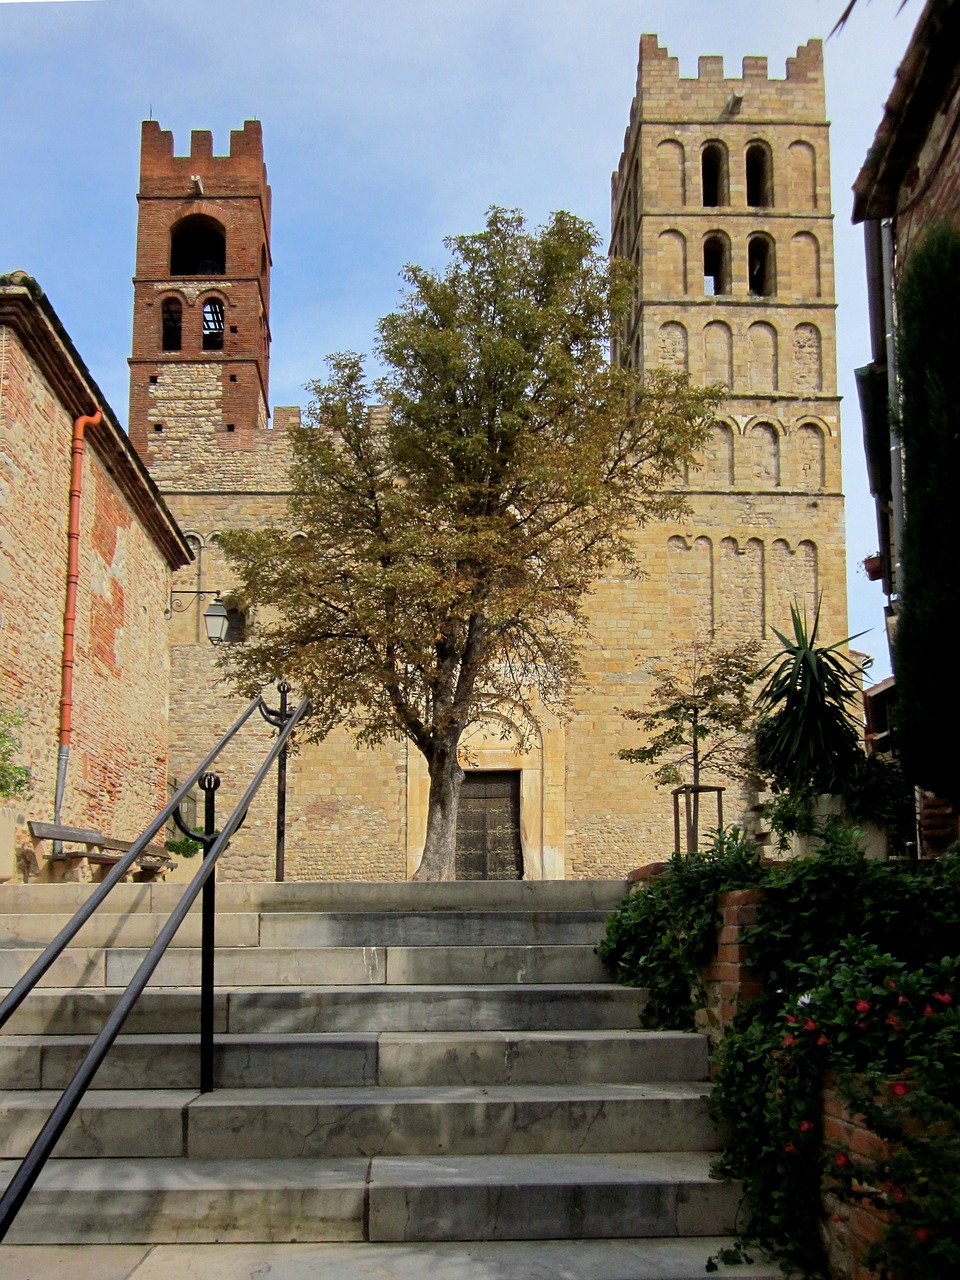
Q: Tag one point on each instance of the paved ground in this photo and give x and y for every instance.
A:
(534, 1260)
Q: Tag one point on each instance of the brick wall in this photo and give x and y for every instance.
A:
(117, 767)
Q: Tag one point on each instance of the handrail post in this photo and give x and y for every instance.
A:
(282, 787)
(208, 918)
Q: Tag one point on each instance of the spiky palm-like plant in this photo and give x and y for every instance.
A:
(806, 740)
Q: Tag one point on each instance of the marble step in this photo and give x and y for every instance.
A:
(276, 1010)
(650, 1259)
(390, 1058)
(282, 1124)
(389, 1199)
(601, 896)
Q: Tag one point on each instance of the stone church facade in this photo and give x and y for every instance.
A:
(722, 199)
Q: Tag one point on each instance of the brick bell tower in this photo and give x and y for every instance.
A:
(201, 317)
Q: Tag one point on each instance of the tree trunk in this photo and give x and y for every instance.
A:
(439, 861)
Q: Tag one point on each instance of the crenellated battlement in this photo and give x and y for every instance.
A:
(754, 98)
(240, 172)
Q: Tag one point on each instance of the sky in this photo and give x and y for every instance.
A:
(387, 125)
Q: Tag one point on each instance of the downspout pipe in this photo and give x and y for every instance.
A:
(70, 608)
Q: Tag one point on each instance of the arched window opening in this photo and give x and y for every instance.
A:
(761, 267)
(198, 247)
(236, 626)
(759, 176)
(213, 325)
(716, 266)
(713, 173)
(171, 324)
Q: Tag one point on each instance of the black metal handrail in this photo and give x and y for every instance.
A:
(214, 844)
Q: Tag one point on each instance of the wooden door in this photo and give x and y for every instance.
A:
(488, 826)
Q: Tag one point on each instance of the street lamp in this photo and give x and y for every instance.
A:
(216, 621)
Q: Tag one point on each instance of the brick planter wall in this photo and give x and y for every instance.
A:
(850, 1229)
(728, 980)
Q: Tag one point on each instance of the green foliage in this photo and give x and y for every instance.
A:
(863, 980)
(14, 778)
(928, 700)
(664, 933)
(698, 713)
(806, 741)
(458, 509)
(183, 847)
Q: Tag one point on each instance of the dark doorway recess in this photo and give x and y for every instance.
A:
(488, 826)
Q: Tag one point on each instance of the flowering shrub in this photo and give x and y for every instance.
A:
(863, 980)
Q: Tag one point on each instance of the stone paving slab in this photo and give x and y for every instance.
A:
(534, 1260)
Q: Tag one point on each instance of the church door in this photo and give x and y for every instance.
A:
(488, 826)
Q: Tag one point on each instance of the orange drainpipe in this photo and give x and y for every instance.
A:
(70, 608)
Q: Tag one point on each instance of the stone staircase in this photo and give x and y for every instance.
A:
(394, 1063)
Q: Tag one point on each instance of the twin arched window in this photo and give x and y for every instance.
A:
(171, 325)
(715, 175)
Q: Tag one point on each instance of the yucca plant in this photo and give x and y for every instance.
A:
(806, 740)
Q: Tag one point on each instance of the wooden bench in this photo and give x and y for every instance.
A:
(100, 850)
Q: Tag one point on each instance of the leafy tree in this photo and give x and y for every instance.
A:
(928, 700)
(699, 711)
(14, 778)
(458, 508)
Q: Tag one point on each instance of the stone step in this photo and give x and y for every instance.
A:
(407, 896)
(278, 1124)
(314, 930)
(556, 1006)
(391, 1199)
(300, 965)
(35, 929)
(650, 1259)
(430, 928)
(543, 1197)
(391, 1058)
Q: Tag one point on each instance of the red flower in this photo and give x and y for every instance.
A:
(896, 1194)
(822, 1039)
(923, 1234)
(841, 1161)
(790, 1018)
(943, 996)
(789, 1041)
(929, 1011)
(890, 984)
(805, 1126)
(789, 1148)
(898, 1089)
(893, 1021)
(862, 1026)
(903, 1000)
(809, 1025)
(862, 1006)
